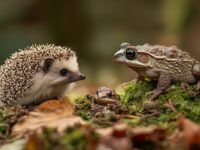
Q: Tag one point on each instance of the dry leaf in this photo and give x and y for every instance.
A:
(14, 145)
(113, 143)
(34, 143)
(187, 135)
(57, 105)
(115, 138)
(122, 136)
(150, 134)
(54, 113)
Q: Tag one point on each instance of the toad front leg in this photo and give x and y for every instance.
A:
(196, 73)
(163, 84)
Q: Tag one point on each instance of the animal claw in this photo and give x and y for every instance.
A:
(197, 86)
(154, 94)
(184, 86)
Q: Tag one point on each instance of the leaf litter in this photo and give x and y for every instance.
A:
(106, 120)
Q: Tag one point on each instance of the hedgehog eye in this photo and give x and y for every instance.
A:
(130, 54)
(63, 72)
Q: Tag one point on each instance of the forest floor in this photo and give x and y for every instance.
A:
(122, 119)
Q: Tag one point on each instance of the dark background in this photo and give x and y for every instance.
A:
(95, 29)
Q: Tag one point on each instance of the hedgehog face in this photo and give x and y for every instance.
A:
(38, 73)
(54, 80)
(61, 71)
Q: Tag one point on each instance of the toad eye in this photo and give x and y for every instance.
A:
(130, 54)
(63, 72)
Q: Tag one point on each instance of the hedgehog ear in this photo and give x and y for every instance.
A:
(47, 63)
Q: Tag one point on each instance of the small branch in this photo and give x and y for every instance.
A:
(170, 105)
(128, 116)
(151, 115)
(105, 101)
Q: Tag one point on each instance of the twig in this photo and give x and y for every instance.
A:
(128, 116)
(151, 115)
(105, 101)
(170, 105)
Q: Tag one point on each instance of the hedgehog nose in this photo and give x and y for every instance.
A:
(82, 77)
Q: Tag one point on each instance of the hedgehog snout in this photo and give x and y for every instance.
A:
(76, 76)
(82, 77)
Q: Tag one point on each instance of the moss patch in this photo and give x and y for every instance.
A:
(132, 106)
(185, 102)
(83, 107)
(4, 114)
(8, 117)
(135, 98)
(76, 138)
(134, 95)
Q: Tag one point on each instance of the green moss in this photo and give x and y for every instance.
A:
(76, 138)
(83, 107)
(4, 114)
(185, 102)
(135, 95)
(132, 122)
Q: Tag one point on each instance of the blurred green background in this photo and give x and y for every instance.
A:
(95, 29)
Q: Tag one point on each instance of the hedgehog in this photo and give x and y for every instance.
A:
(37, 73)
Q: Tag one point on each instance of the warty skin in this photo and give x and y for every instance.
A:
(161, 63)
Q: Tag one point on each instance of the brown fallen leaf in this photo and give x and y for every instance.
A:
(150, 134)
(54, 113)
(115, 138)
(187, 136)
(122, 136)
(34, 143)
(63, 105)
(113, 143)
